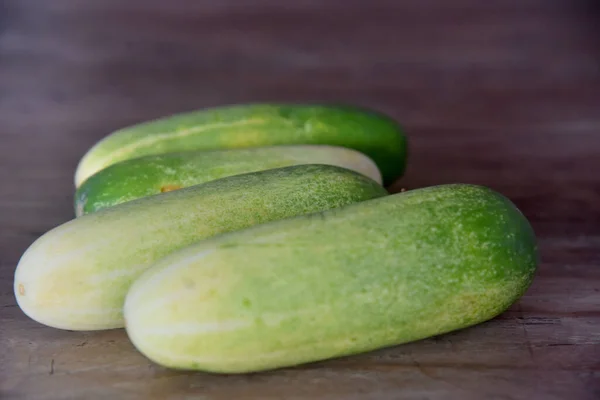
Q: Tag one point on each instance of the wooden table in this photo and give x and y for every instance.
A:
(500, 93)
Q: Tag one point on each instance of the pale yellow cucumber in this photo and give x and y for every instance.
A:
(76, 276)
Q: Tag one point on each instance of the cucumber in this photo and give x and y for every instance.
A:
(145, 176)
(256, 125)
(76, 276)
(361, 277)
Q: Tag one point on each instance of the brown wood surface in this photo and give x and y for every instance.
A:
(500, 93)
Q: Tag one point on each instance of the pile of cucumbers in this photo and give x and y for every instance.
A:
(251, 237)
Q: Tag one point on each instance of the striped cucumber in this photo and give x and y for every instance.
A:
(145, 176)
(76, 276)
(361, 277)
(256, 125)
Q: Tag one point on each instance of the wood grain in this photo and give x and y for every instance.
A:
(500, 93)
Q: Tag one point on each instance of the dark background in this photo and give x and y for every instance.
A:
(500, 93)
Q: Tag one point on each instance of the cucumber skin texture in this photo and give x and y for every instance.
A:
(145, 176)
(340, 282)
(256, 125)
(76, 276)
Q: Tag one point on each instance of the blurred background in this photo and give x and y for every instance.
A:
(500, 93)
(488, 91)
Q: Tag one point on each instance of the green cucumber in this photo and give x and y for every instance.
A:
(76, 276)
(256, 125)
(361, 277)
(145, 176)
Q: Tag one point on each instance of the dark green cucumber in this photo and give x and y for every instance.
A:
(150, 175)
(256, 125)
